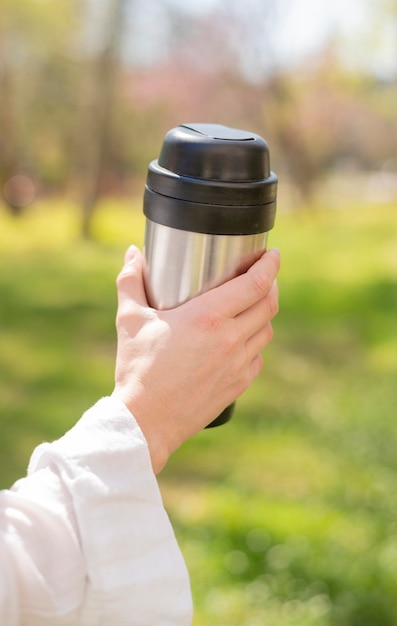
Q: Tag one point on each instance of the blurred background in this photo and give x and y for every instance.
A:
(287, 515)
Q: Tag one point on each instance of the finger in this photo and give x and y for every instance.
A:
(258, 342)
(130, 254)
(242, 292)
(257, 316)
(256, 366)
(274, 293)
(130, 286)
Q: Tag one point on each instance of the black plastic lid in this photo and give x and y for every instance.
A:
(213, 179)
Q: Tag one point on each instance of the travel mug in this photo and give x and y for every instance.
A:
(209, 202)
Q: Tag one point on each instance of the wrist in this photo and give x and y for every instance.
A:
(156, 440)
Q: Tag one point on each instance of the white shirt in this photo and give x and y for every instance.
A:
(85, 539)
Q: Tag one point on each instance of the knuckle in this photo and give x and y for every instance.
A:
(246, 379)
(239, 370)
(121, 280)
(209, 321)
(265, 336)
(261, 283)
(269, 333)
(273, 306)
(256, 366)
(124, 276)
(240, 385)
(229, 343)
(126, 313)
(121, 319)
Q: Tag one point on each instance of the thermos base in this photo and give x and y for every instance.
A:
(223, 417)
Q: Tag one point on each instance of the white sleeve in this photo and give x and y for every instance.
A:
(85, 539)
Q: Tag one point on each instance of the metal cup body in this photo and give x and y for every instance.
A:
(180, 264)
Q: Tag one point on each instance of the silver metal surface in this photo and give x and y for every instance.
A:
(181, 264)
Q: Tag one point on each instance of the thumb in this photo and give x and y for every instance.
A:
(130, 285)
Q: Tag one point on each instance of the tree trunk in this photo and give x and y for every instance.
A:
(8, 140)
(94, 128)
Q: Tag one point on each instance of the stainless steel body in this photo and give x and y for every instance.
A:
(180, 264)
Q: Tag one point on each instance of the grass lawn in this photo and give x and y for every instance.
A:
(288, 514)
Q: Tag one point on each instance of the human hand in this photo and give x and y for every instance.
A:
(177, 369)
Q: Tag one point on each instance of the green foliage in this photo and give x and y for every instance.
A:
(287, 515)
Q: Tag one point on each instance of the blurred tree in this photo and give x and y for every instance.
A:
(8, 145)
(94, 129)
(325, 116)
(36, 67)
(88, 89)
(223, 65)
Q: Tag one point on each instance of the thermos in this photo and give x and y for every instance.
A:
(209, 202)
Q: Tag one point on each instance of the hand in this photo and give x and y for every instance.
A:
(176, 370)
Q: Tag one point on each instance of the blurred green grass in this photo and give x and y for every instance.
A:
(287, 515)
